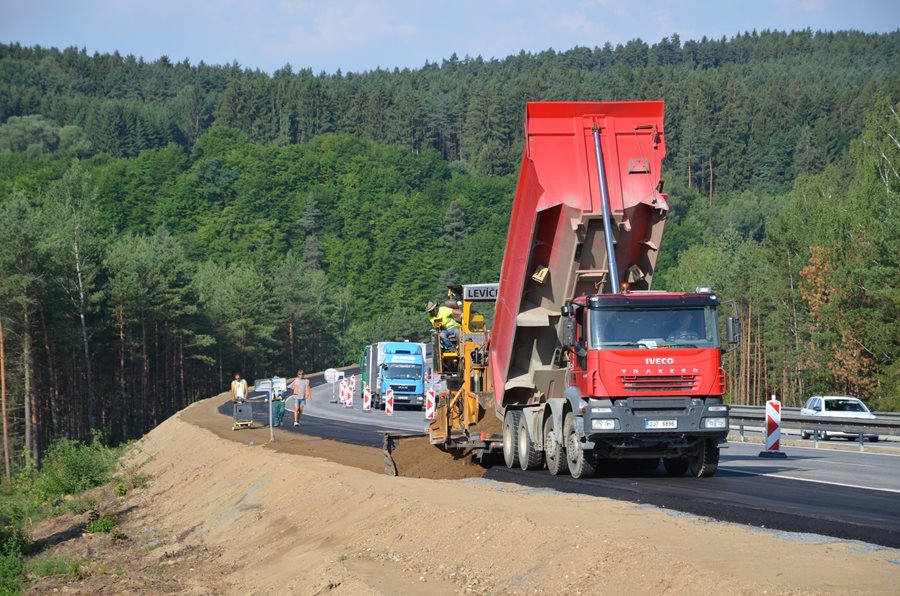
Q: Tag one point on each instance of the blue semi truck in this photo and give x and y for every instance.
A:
(398, 365)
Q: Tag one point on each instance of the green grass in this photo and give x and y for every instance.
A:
(104, 523)
(12, 545)
(69, 469)
(47, 565)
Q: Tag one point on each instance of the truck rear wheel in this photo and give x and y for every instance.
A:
(529, 457)
(582, 463)
(554, 452)
(511, 438)
(704, 462)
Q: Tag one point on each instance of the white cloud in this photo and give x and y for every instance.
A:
(575, 22)
(807, 6)
(337, 27)
(813, 5)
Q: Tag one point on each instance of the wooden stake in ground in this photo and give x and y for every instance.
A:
(3, 404)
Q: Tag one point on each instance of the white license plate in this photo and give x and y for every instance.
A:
(655, 424)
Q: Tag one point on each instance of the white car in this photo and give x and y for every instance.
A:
(841, 406)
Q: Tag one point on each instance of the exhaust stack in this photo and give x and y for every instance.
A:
(613, 274)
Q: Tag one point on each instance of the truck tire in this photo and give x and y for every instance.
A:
(704, 462)
(529, 457)
(511, 438)
(582, 463)
(675, 466)
(554, 452)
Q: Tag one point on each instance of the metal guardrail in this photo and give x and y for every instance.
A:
(884, 424)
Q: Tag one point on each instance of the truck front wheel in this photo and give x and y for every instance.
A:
(529, 457)
(675, 466)
(705, 460)
(582, 463)
(554, 452)
(511, 438)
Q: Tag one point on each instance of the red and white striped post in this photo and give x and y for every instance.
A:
(367, 399)
(349, 401)
(389, 402)
(343, 391)
(429, 404)
(773, 430)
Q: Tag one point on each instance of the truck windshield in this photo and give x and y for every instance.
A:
(403, 371)
(653, 327)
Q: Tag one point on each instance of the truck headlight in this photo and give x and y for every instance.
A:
(714, 423)
(717, 409)
(604, 424)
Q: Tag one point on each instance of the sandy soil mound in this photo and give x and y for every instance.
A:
(283, 523)
(418, 458)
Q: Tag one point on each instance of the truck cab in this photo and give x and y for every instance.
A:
(642, 365)
(399, 366)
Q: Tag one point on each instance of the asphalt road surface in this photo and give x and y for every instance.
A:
(843, 494)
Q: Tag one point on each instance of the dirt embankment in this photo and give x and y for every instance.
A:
(277, 522)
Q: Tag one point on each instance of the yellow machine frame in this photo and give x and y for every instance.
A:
(462, 406)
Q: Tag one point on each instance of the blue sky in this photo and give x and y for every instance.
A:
(356, 35)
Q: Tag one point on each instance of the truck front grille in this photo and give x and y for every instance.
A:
(405, 388)
(659, 383)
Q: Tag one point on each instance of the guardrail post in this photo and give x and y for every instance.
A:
(815, 435)
(861, 447)
(743, 439)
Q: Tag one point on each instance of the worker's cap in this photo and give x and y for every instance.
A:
(430, 306)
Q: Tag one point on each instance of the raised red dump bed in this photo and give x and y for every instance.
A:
(555, 246)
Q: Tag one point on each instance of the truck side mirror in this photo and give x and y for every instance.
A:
(733, 327)
(568, 332)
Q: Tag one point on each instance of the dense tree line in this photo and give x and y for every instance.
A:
(758, 108)
(131, 287)
(167, 224)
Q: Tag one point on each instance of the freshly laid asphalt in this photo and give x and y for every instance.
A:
(840, 494)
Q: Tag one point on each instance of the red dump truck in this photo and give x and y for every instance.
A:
(583, 361)
(586, 361)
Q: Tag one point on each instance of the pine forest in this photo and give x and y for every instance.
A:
(167, 224)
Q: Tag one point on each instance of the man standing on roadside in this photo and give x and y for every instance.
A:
(238, 388)
(301, 394)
